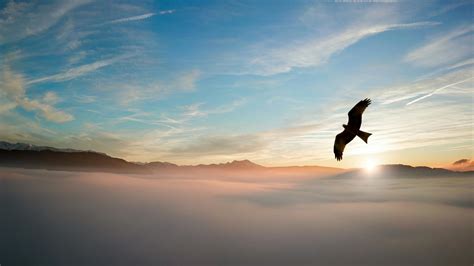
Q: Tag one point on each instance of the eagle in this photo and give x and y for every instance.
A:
(352, 128)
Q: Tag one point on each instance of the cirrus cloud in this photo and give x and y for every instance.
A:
(21, 19)
(318, 51)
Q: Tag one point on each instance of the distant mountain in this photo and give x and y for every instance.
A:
(408, 170)
(404, 171)
(247, 165)
(242, 169)
(161, 165)
(234, 165)
(30, 147)
(43, 157)
(67, 160)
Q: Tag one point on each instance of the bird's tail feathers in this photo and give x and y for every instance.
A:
(363, 135)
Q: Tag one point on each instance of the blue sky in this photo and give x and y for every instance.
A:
(212, 81)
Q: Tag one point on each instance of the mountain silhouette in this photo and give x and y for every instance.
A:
(21, 155)
(30, 147)
(72, 161)
(236, 165)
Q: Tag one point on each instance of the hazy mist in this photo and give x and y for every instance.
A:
(72, 218)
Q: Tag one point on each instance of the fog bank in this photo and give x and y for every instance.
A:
(66, 218)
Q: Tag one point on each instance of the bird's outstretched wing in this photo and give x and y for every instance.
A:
(340, 143)
(355, 114)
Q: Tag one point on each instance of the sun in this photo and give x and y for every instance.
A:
(370, 165)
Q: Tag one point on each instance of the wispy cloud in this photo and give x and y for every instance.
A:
(185, 116)
(13, 88)
(77, 57)
(447, 48)
(184, 82)
(50, 97)
(75, 72)
(85, 98)
(424, 87)
(169, 11)
(195, 110)
(22, 19)
(455, 65)
(448, 7)
(171, 132)
(187, 81)
(318, 51)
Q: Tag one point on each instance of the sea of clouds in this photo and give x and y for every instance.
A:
(73, 218)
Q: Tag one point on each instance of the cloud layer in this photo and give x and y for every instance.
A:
(365, 221)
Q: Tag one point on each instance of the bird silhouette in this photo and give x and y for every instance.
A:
(352, 128)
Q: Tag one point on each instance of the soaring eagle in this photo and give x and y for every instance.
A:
(351, 129)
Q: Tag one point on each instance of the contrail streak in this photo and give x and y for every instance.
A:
(437, 90)
(140, 17)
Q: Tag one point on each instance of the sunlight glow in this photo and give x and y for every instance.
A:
(370, 165)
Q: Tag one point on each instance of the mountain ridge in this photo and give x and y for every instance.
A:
(4, 145)
(43, 157)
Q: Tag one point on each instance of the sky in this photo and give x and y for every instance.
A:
(195, 82)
